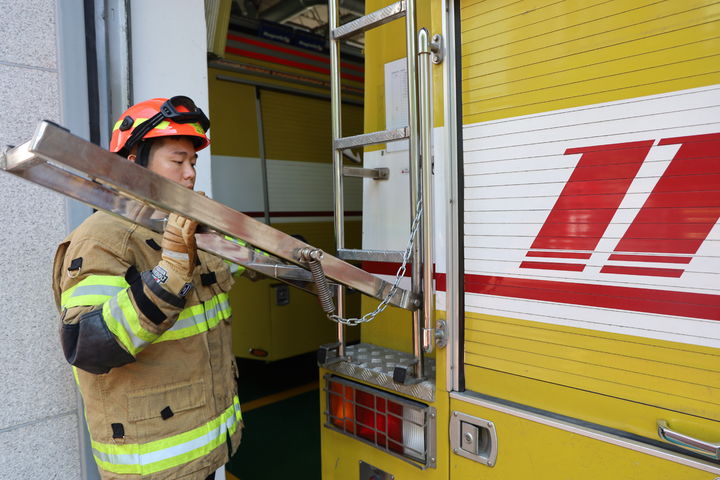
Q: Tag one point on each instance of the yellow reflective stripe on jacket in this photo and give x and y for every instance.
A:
(199, 318)
(122, 320)
(152, 457)
(93, 290)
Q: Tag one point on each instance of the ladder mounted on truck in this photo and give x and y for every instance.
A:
(420, 54)
(60, 161)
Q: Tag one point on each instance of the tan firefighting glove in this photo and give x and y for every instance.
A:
(179, 254)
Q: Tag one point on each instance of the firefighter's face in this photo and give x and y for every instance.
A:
(174, 158)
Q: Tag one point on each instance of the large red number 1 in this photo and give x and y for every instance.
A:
(669, 228)
(586, 205)
(679, 213)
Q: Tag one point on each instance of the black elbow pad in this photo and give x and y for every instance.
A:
(89, 345)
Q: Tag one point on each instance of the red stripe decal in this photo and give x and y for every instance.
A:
(558, 254)
(646, 271)
(649, 258)
(690, 183)
(570, 267)
(289, 63)
(683, 304)
(391, 268)
(385, 268)
(290, 51)
(440, 282)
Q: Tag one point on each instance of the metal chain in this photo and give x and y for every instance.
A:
(398, 276)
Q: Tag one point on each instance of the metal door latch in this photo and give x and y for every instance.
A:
(474, 438)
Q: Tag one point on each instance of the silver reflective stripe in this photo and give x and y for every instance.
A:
(107, 290)
(234, 267)
(201, 317)
(119, 315)
(173, 254)
(174, 451)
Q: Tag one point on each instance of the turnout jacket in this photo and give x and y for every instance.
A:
(156, 371)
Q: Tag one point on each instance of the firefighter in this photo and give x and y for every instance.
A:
(146, 319)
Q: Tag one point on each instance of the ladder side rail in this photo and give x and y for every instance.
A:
(56, 144)
(426, 124)
(338, 185)
(415, 184)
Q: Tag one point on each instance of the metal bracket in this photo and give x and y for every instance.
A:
(402, 374)
(329, 354)
(374, 173)
(441, 334)
(436, 47)
(352, 156)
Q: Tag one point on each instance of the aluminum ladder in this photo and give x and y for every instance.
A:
(60, 161)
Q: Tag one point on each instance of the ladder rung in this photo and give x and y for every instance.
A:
(381, 173)
(371, 20)
(390, 256)
(371, 138)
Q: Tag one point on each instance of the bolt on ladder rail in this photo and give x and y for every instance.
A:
(422, 264)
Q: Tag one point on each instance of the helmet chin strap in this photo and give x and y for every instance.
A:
(143, 154)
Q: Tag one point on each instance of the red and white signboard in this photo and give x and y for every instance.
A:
(602, 217)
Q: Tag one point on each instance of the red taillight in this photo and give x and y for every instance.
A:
(387, 421)
(379, 420)
(342, 410)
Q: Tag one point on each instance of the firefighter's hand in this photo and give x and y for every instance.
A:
(179, 253)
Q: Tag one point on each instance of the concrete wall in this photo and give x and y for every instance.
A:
(38, 407)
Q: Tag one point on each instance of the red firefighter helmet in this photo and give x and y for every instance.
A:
(160, 117)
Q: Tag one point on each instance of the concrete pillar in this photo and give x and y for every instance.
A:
(38, 409)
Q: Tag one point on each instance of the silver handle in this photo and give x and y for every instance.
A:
(695, 444)
(426, 124)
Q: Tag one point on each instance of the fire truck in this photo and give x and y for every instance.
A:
(576, 149)
(519, 277)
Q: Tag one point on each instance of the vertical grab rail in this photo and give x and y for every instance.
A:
(335, 99)
(415, 184)
(426, 122)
